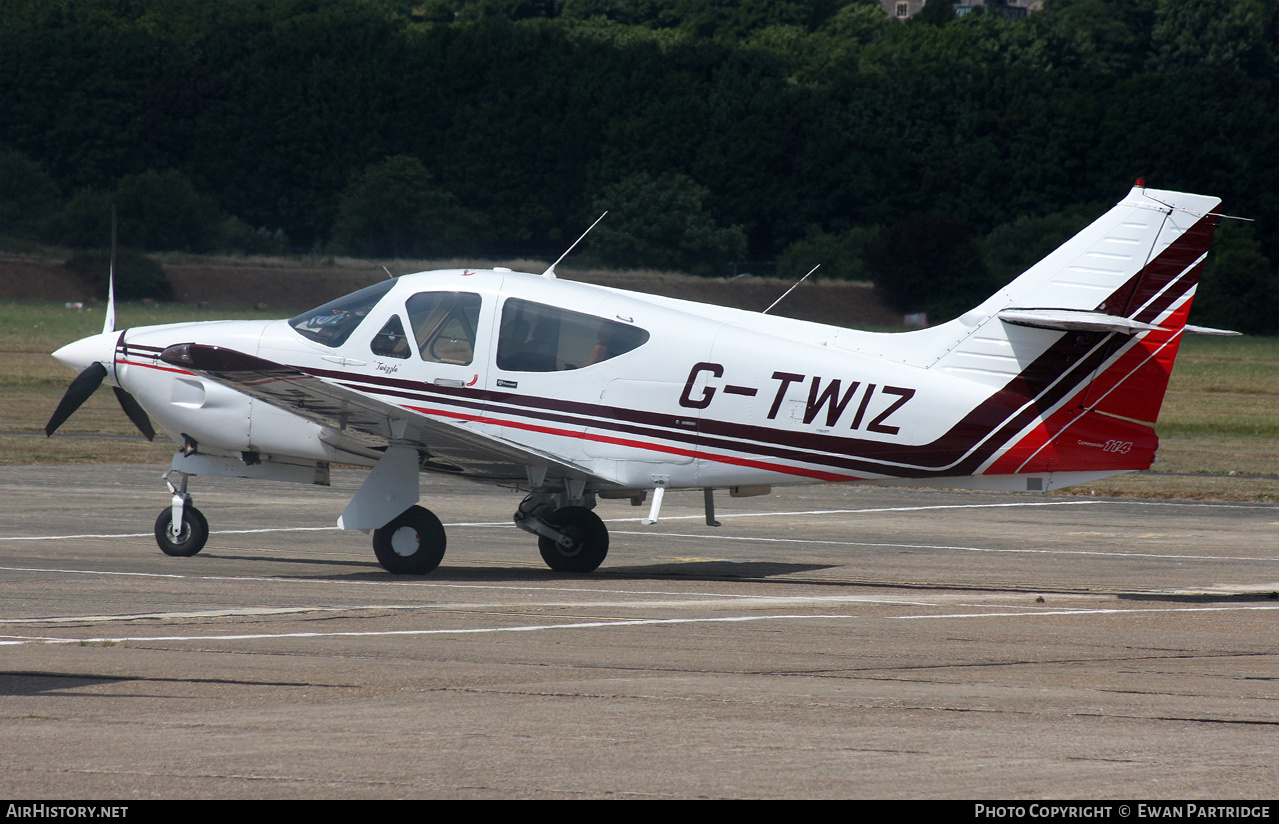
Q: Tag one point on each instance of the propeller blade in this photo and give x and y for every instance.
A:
(135, 412)
(109, 324)
(77, 393)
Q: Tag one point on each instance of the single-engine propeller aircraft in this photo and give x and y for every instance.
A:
(573, 392)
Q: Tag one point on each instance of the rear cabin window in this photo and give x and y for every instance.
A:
(539, 338)
(332, 323)
(444, 325)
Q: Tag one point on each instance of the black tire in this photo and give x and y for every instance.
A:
(590, 540)
(195, 532)
(412, 544)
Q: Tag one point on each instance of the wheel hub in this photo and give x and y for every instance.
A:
(405, 541)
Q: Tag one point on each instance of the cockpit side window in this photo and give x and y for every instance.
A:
(390, 342)
(332, 323)
(444, 325)
(539, 338)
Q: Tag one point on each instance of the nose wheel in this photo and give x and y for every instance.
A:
(181, 530)
(190, 536)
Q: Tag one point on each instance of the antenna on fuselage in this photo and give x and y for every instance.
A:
(388, 272)
(550, 272)
(792, 289)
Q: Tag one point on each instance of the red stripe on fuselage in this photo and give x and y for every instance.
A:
(648, 446)
(154, 366)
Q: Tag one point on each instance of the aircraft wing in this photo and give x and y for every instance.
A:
(358, 421)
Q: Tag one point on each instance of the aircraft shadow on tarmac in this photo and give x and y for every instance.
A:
(717, 569)
(62, 683)
(39, 683)
(1201, 597)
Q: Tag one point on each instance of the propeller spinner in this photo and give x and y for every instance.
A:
(94, 357)
(90, 355)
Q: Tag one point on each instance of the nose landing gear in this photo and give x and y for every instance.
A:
(181, 530)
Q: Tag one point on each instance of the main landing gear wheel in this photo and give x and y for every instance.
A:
(412, 544)
(588, 545)
(189, 540)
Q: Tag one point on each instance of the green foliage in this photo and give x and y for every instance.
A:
(156, 211)
(1101, 36)
(86, 220)
(935, 13)
(1213, 33)
(28, 197)
(858, 24)
(1239, 289)
(662, 223)
(137, 277)
(238, 236)
(929, 262)
(787, 115)
(395, 209)
(706, 18)
(1013, 247)
(841, 255)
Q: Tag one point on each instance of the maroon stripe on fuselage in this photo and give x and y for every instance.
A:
(1038, 388)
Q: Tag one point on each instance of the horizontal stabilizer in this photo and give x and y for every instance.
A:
(1073, 320)
(1208, 330)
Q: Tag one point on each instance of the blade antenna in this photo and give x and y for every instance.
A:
(792, 289)
(109, 324)
(550, 273)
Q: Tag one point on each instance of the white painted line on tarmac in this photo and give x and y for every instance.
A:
(152, 534)
(620, 600)
(9, 640)
(1109, 553)
(721, 516)
(230, 612)
(416, 583)
(1094, 611)
(12, 640)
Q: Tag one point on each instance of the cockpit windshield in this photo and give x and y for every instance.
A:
(332, 323)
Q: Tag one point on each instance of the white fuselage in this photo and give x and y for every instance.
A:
(714, 397)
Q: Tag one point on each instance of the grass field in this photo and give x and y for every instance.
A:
(1219, 430)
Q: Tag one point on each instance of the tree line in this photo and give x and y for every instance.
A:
(936, 157)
